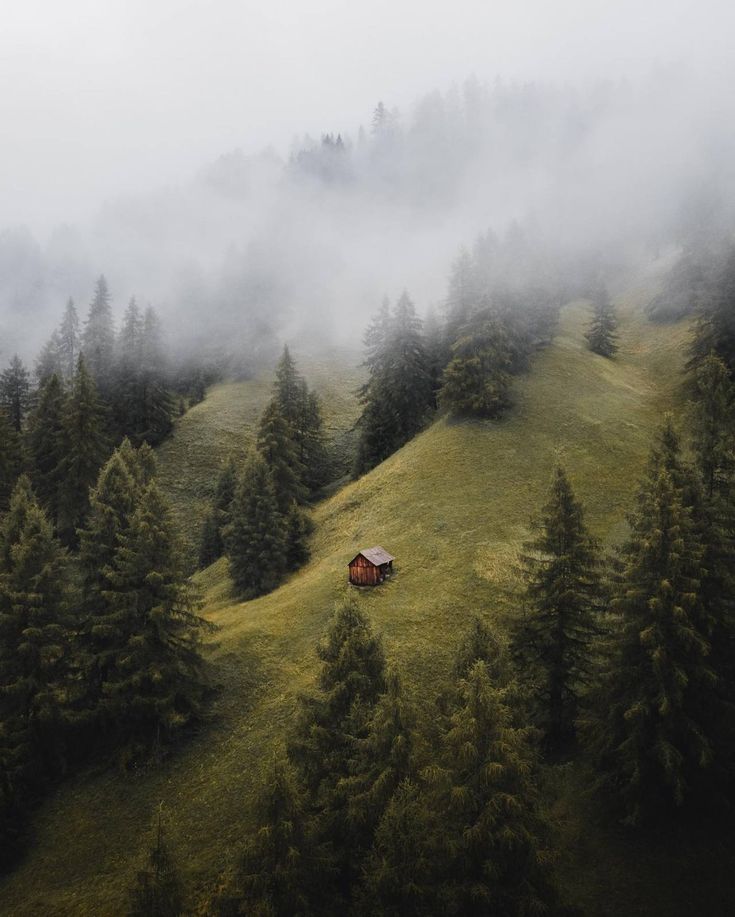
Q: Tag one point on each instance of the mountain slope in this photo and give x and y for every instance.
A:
(453, 506)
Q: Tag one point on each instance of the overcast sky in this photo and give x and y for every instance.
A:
(99, 97)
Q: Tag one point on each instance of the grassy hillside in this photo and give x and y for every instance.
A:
(225, 425)
(454, 507)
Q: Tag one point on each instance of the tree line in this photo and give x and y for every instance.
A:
(99, 649)
(501, 307)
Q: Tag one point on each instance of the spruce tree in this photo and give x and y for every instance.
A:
(157, 404)
(46, 444)
(476, 381)
(490, 825)
(34, 640)
(552, 639)
(645, 724)
(331, 724)
(70, 342)
(157, 891)
(48, 362)
(383, 759)
(277, 446)
(280, 863)
(112, 502)
(11, 460)
(98, 339)
(212, 544)
(398, 395)
(154, 681)
(256, 537)
(15, 392)
(85, 450)
(601, 335)
(713, 425)
(400, 873)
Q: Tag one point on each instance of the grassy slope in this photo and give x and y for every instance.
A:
(453, 506)
(225, 423)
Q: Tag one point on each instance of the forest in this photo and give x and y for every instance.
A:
(491, 328)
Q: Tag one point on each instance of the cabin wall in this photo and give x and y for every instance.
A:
(363, 573)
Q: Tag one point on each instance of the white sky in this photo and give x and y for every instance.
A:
(98, 97)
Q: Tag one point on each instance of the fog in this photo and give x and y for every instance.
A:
(176, 146)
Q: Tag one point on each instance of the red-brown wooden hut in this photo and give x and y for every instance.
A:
(370, 567)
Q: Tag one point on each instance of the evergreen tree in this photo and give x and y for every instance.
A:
(112, 502)
(49, 360)
(155, 682)
(298, 410)
(157, 402)
(280, 861)
(645, 727)
(212, 544)
(476, 381)
(383, 760)
(484, 789)
(715, 325)
(331, 724)
(11, 460)
(34, 603)
(85, 449)
(98, 339)
(398, 396)
(601, 335)
(70, 342)
(552, 639)
(277, 446)
(157, 891)
(15, 392)
(400, 874)
(713, 439)
(713, 425)
(255, 538)
(46, 444)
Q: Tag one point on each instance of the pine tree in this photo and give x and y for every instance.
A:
(154, 684)
(98, 339)
(85, 450)
(46, 444)
(331, 724)
(280, 863)
(11, 460)
(645, 726)
(276, 445)
(70, 342)
(491, 830)
(157, 891)
(552, 640)
(113, 501)
(15, 392)
(713, 424)
(157, 402)
(383, 759)
(398, 396)
(476, 381)
(298, 411)
(34, 637)
(713, 440)
(601, 335)
(400, 873)
(212, 544)
(48, 362)
(255, 538)
(714, 330)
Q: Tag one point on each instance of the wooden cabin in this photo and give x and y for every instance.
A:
(370, 567)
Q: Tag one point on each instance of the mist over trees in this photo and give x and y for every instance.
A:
(257, 244)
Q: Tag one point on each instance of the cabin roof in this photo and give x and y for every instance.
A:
(376, 555)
